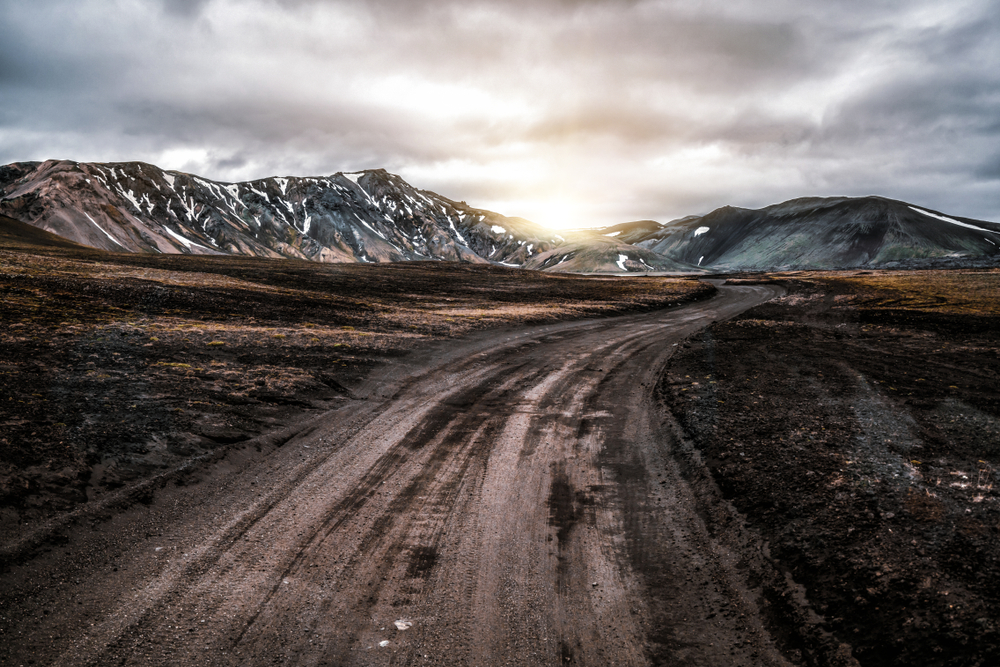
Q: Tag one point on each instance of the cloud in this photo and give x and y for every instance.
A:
(620, 109)
(184, 8)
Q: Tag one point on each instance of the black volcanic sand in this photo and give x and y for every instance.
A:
(858, 432)
(114, 367)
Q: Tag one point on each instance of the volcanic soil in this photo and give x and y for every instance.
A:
(238, 461)
(855, 425)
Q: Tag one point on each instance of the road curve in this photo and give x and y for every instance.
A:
(510, 499)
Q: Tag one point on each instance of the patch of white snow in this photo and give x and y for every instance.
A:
(700, 231)
(621, 262)
(613, 233)
(953, 221)
(497, 229)
(131, 198)
(189, 206)
(113, 239)
(183, 240)
(365, 223)
(458, 234)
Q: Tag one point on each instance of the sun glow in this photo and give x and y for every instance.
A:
(556, 214)
(517, 185)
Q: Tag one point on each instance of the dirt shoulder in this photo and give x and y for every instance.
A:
(855, 423)
(115, 367)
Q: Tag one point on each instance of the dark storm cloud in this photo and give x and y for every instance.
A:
(990, 169)
(661, 107)
(185, 8)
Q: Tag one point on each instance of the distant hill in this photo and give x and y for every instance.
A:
(822, 233)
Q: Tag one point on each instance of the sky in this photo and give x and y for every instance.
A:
(570, 113)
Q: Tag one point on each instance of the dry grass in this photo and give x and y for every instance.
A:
(954, 292)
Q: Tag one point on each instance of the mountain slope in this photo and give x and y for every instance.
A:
(369, 216)
(822, 233)
(374, 216)
(14, 233)
(599, 253)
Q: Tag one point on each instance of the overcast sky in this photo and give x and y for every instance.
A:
(566, 112)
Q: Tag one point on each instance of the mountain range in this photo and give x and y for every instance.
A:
(375, 216)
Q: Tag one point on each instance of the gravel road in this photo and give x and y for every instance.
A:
(507, 499)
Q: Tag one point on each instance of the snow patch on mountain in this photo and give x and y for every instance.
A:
(131, 197)
(954, 222)
(103, 231)
(458, 235)
(187, 242)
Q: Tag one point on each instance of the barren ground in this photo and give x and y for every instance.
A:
(238, 462)
(855, 424)
(115, 367)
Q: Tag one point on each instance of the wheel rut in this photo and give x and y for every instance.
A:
(513, 501)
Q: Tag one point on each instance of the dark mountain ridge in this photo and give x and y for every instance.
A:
(375, 216)
(822, 233)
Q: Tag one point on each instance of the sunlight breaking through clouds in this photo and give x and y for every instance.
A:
(593, 111)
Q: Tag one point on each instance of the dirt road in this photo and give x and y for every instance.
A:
(508, 499)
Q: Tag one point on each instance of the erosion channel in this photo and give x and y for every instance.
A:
(514, 498)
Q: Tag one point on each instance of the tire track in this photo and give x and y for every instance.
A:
(450, 436)
(514, 500)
